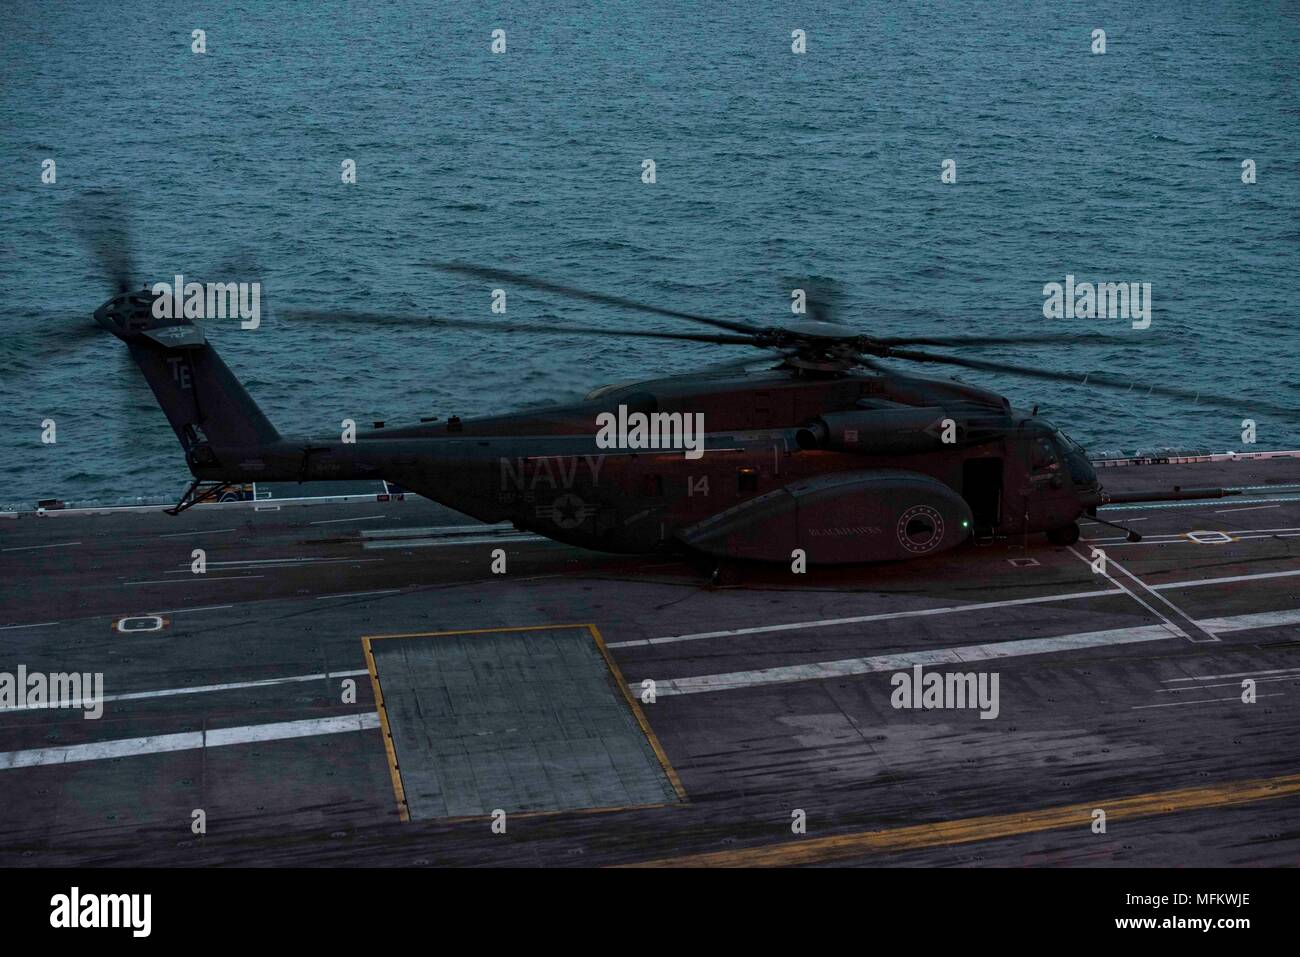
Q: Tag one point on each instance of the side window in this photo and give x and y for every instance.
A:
(1042, 457)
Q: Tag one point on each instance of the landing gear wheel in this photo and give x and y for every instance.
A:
(724, 575)
(1066, 535)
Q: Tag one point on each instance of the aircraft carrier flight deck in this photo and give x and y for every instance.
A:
(353, 682)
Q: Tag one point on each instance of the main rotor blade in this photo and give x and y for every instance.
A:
(99, 218)
(605, 299)
(1090, 378)
(822, 296)
(433, 322)
(1042, 340)
(238, 265)
(738, 365)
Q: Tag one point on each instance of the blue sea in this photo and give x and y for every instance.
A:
(771, 166)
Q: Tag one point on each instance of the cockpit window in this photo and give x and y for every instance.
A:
(1042, 456)
(1067, 442)
(1076, 459)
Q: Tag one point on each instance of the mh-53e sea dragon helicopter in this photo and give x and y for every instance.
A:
(826, 451)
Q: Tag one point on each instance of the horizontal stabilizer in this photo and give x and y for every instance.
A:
(177, 337)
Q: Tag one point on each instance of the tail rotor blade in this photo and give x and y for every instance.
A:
(100, 219)
(139, 410)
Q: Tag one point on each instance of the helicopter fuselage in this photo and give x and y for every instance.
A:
(839, 467)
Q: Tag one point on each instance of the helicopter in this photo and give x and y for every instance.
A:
(826, 455)
(826, 452)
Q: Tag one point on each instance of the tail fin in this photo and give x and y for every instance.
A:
(208, 408)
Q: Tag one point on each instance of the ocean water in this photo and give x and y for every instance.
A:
(770, 166)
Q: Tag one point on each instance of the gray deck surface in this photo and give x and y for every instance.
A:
(518, 721)
(774, 695)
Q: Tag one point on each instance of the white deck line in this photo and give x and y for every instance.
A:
(846, 667)
(188, 741)
(196, 689)
(860, 619)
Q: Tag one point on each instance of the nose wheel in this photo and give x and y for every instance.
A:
(1065, 535)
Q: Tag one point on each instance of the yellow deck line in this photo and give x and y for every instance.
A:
(472, 631)
(846, 846)
(403, 812)
(402, 807)
(635, 705)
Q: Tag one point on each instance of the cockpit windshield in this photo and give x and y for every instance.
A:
(1076, 459)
